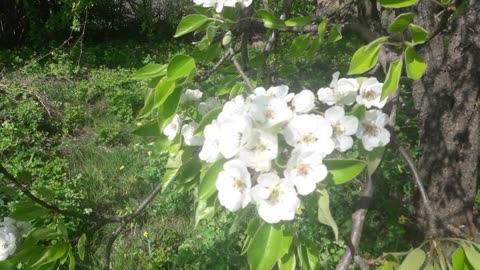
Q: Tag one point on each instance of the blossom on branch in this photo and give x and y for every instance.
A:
(372, 130)
(233, 185)
(342, 127)
(219, 4)
(370, 94)
(172, 129)
(340, 92)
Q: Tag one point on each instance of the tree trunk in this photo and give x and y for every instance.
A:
(447, 100)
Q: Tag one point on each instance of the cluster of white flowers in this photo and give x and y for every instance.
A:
(252, 132)
(219, 4)
(10, 229)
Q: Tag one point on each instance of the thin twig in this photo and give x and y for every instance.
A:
(124, 221)
(358, 219)
(91, 217)
(207, 74)
(240, 70)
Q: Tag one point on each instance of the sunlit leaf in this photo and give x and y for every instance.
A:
(265, 249)
(150, 71)
(414, 64)
(298, 21)
(190, 23)
(396, 3)
(334, 35)
(207, 185)
(413, 261)
(180, 66)
(419, 35)
(207, 119)
(343, 170)
(393, 78)
(324, 214)
(364, 59)
(400, 23)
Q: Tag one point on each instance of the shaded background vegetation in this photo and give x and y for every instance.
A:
(66, 116)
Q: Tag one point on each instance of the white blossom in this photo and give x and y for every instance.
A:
(276, 198)
(342, 126)
(210, 150)
(372, 130)
(305, 169)
(219, 4)
(303, 102)
(370, 94)
(209, 104)
(280, 91)
(172, 129)
(269, 110)
(7, 243)
(309, 131)
(233, 185)
(190, 96)
(340, 92)
(234, 133)
(261, 148)
(189, 138)
(233, 108)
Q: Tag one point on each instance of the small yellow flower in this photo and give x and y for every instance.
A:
(149, 153)
(121, 168)
(402, 219)
(299, 211)
(139, 124)
(145, 234)
(136, 145)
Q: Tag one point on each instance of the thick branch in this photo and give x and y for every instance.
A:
(91, 217)
(358, 218)
(124, 221)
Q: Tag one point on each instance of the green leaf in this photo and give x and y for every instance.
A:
(396, 3)
(207, 119)
(57, 251)
(150, 71)
(414, 63)
(315, 44)
(400, 23)
(71, 263)
(180, 66)
(252, 228)
(386, 266)
(148, 106)
(322, 27)
(334, 34)
(287, 262)
(393, 78)
(373, 159)
(358, 111)
(287, 238)
(207, 185)
(344, 170)
(190, 23)
(299, 45)
(298, 21)
(149, 129)
(174, 163)
(27, 211)
(162, 91)
(269, 20)
(190, 170)
(205, 210)
(40, 234)
(81, 246)
(419, 35)
(324, 214)
(376, 42)
(413, 261)
(265, 248)
(364, 59)
(308, 255)
(473, 257)
(169, 109)
(458, 259)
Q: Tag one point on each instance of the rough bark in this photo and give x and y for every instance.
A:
(447, 100)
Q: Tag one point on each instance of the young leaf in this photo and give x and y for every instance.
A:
(180, 66)
(169, 109)
(207, 185)
(344, 170)
(413, 261)
(458, 259)
(298, 21)
(269, 20)
(299, 45)
(322, 27)
(358, 111)
(148, 106)
(396, 3)
(373, 159)
(150, 71)
(334, 34)
(265, 248)
(400, 23)
(162, 91)
(393, 78)
(374, 43)
(473, 257)
(419, 35)
(414, 63)
(364, 59)
(190, 23)
(81, 246)
(57, 251)
(315, 44)
(324, 214)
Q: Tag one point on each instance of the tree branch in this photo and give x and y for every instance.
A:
(91, 217)
(240, 70)
(358, 218)
(207, 74)
(124, 221)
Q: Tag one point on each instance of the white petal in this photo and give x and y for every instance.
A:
(334, 113)
(350, 125)
(304, 101)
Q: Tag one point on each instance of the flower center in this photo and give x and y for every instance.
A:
(337, 129)
(369, 95)
(238, 184)
(302, 169)
(269, 113)
(260, 147)
(4, 244)
(371, 129)
(274, 195)
(307, 138)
